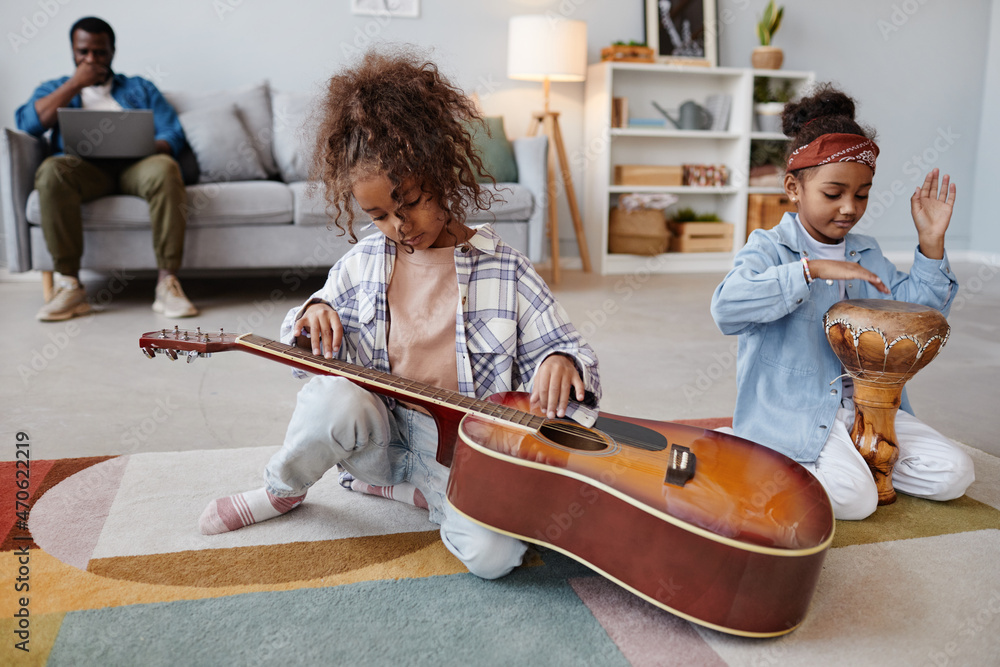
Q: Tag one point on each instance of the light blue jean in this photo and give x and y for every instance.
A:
(336, 421)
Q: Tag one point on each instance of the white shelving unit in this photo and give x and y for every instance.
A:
(606, 146)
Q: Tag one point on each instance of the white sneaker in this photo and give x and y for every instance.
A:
(170, 299)
(69, 300)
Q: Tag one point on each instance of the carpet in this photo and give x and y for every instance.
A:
(114, 572)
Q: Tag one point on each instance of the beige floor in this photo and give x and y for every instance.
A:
(82, 388)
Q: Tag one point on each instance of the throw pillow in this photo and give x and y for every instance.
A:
(294, 134)
(494, 150)
(254, 104)
(222, 145)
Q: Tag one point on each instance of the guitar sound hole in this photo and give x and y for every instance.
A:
(573, 436)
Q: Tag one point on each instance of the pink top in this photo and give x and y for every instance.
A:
(423, 307)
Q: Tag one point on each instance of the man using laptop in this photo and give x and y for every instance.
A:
(64, 182)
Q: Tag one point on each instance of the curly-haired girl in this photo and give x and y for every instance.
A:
(428, 298)
(791, 395)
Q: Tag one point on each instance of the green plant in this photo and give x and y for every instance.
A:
(631, 42)
(764, 153)
(765, 90)
(769, 23)
(689, 215)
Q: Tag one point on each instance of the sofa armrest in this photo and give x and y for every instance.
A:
(531, 155)
(20, 155)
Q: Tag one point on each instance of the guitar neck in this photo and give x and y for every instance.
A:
(420, 393)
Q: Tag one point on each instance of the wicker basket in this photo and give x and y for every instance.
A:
(765, 211)
(642, 232)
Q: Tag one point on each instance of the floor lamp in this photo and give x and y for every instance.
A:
(546, 48)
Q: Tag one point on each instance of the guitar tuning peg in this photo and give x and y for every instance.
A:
(172, 354)
(149, 353)
(191, 356)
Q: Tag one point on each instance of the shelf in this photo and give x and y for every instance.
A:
(648, 87)
(676, 189)
(758, 190)
(782, 74)
(651, 132)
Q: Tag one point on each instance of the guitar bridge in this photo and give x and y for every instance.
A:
(680, 467)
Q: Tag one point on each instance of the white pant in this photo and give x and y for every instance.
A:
(929, 466)
(336, 421)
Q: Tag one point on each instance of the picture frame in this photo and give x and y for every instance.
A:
(689, 36)
(394, 8)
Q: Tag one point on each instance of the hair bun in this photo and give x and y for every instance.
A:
(826, 101)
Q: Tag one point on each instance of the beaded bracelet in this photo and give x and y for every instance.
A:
(805, 268)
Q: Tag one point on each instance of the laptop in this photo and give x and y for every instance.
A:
(91, 133)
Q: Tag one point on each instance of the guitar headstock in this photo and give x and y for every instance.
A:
(192, 343)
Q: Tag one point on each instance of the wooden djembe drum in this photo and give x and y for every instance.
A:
(882, 344)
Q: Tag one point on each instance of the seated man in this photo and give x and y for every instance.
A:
(64, 182)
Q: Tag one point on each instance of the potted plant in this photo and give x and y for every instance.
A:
(769, 101)
(767, 56)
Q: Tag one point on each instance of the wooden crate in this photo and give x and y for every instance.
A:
(642, 232)
(648, 174)
(623, 53)
(765, 211)
(701, 236)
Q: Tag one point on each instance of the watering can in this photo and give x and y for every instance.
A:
(692, 116)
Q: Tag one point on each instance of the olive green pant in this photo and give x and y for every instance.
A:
(64, 182)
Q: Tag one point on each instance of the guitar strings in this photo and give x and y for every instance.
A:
(513, 415)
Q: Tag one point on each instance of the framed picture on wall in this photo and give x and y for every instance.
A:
(403, 8)
(682, 31)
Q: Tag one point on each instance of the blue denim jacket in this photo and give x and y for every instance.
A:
(132, 92)
(788, 378)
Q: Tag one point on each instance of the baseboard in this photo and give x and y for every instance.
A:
(903, 258)
(25, 277)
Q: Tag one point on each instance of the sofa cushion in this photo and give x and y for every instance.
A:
(294, 134)
(310, 205)
(222, 145)
(254, 103)
(494, 150)
(209, 205)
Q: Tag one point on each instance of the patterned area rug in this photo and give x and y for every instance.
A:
(114, 572)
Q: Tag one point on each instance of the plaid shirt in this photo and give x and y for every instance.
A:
(509, 322)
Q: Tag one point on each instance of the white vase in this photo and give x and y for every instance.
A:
(768, 116)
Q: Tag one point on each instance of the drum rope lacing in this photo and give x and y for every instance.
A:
(887, 345)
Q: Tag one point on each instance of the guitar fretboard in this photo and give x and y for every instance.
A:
(386, 383)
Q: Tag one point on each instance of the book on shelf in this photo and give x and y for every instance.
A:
(647, 122)
(718, 107)
(619, 112)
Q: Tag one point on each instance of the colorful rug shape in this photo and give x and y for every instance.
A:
(119, 574)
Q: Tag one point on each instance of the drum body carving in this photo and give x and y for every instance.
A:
(882, 344)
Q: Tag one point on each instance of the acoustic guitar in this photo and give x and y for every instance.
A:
(713, 528)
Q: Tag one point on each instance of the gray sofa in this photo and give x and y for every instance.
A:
(250, 206)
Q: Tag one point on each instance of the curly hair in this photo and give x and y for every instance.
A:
(394, 114)
(826, 111)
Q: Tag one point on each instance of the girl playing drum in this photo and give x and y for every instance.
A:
(792, 395)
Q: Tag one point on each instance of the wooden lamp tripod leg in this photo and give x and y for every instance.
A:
(549, 121)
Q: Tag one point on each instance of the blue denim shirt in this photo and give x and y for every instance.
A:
(132, 92)
(788, 378)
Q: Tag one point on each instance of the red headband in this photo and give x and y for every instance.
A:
(829, 148)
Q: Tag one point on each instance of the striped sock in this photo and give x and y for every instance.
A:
(404, 492)
(243, 509)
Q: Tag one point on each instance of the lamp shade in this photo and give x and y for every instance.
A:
(543, 47)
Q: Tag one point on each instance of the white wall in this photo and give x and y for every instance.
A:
(985, 216)
(916, 68)
(918, 75)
